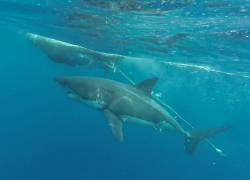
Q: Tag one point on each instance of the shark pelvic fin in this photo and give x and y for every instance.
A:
(115, 123)
(147, 85)
(195, 137)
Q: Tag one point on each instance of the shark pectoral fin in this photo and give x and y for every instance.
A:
(115, 124)
(147, 85)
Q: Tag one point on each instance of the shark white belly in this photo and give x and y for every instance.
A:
(164, 126)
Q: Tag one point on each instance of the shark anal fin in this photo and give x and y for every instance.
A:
(115, 123)
(147, 85)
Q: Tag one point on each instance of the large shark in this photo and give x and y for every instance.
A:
(75, 55)
(71, 54)
(122, 103)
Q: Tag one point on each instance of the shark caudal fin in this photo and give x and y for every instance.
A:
(196, 136)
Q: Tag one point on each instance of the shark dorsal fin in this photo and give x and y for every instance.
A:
(147, 85)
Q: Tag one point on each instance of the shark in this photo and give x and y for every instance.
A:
(122, 103)
(73, 55)
(76, 55)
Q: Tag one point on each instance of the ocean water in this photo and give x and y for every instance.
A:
(205, 77)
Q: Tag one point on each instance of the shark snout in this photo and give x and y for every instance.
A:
(61, 80)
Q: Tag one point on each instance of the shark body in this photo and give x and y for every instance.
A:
(71, 54)
(122, 102)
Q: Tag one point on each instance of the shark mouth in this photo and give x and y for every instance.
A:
(97, 103)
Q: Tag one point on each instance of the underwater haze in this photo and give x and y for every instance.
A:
(199, 50)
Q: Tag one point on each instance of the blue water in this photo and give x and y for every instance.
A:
(46, 135)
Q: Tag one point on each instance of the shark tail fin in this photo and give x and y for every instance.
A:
(195, 137)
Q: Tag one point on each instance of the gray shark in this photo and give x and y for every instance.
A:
(122, 103)
(73, 55)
